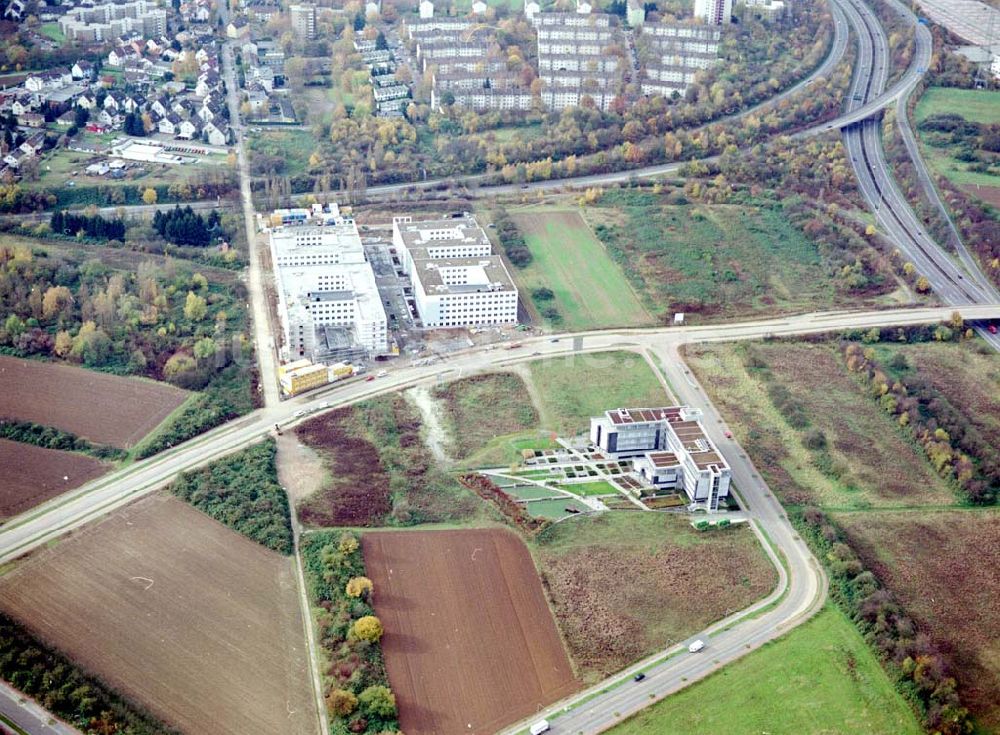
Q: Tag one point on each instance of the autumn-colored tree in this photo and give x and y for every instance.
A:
(348, 543)
(149, 196)
(195, 307)
(359, 587)
(56, 301)
(341, 702)
(368, 628)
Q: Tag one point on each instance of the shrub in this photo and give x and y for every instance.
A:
(341, 702)
(368, 628)
(359, 587)
(242, 492)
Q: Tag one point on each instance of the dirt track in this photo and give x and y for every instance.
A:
(32, 475)
(183, 616)
(470, 644)
(103, 408)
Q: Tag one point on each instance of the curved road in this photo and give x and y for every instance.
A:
(803, 586)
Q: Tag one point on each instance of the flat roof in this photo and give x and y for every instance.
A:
(663, 459)
(643, 415)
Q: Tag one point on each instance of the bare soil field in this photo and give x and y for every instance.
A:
(193, 621)
(102, 408)
(944, 568)
(470, 644)
(32, 475)
(989, 194)
(624, 585)
(379, 471)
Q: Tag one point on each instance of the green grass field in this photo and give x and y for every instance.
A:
(574, 388)
(712, 260)
(554, 509)
(599, 487)
(975, 105)
(820, 679)
(981, 106)
(293, 146)
(590, 289)
(52, 31)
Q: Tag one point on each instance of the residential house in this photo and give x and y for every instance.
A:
(188, 130)
(215, 134)
(83, 70)
(87, 101)
(170, 124)
(33, 145)
(238, 28)
(31, 120)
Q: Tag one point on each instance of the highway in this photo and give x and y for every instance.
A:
(863, 142)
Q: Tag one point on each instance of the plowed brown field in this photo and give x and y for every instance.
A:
(102, 408)
(194, 622)
(32, 475)
(470, 644)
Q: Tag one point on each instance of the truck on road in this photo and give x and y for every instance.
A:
(539, 727)
(696, 646)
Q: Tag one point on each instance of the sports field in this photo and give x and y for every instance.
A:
(470, 644)
(183, 616)
(820, 679)
(590, 290)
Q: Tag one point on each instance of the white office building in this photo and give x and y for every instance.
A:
(457, 280)
(328, 300)
(669, 449)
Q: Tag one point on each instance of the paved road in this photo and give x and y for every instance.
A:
(55, 517)
(863, 142)
(263, 341)
(28, 715)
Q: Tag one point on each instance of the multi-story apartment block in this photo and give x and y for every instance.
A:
(572, 20)
(112, 20)
(673, 54)
(714, 12)
(303, 20)
(669, 449)
(457, 280)
(328, 301)
(576, 60)
(480, 91)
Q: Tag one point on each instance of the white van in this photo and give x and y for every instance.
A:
(696, 646)
(539, 727)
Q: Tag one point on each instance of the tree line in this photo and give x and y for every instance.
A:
(96, 226)
(184, 226)
(65, 690)
(358, 697)
(915, 664)
(50, 437)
